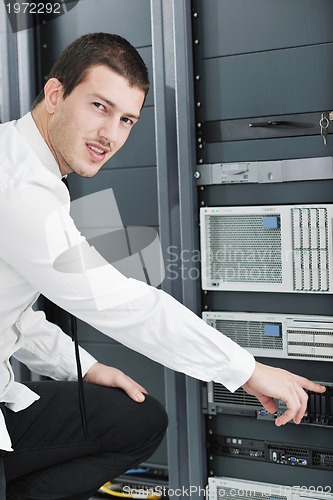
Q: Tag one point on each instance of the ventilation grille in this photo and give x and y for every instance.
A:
(310, 249)
(291, 450)
(249, 334)
(242, 250)
(309, 355)
(312, 344)
(224, 493)
(322, 459)
(239, 397)
(311, 332)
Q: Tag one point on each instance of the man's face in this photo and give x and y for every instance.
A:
(93, 122)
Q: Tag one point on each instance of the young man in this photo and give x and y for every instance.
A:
(89, 105)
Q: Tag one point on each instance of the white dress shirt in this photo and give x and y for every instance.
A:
(36, 232)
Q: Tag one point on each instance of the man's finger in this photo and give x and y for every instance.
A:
(296, 406)
(134, 390)
(268, 403)
(309, 385)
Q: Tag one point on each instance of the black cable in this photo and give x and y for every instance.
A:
(73, 324)
(73, 332)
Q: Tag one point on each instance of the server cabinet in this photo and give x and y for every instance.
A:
(258, 104)
(262, 73)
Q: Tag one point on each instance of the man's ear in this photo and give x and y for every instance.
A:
(53, 91)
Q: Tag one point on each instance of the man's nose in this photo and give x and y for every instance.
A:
(110, 130)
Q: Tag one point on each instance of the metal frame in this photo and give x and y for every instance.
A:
(168, 197)
(178, 212)
(189, 225)
(301, 169)
(8, 74)
(16, 58)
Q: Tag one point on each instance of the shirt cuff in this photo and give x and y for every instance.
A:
(87, 361)
(238, 370)
(5, 441)
(67, 369)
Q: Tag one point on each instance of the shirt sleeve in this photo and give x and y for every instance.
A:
(58, 262)
(47, 350)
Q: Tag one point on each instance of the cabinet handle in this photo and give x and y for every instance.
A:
(279, 123)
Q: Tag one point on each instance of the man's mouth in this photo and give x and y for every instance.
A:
(97, 153)
(97, 150)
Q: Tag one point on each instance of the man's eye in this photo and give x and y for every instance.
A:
(98, 105)
(127, 120)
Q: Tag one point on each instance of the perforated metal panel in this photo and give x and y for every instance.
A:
(231, 494)
(314, 344)
(277, 335)
(321, 459)
(237, 488)
(311, 253)
(234, 488)
(267, 248)
(319, 411)
(222, 395)
(249, 334)
(256, 257)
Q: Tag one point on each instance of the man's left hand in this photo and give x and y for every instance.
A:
(112, 377)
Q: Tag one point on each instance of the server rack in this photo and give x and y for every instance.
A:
(257, 129)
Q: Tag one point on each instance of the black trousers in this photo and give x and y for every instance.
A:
(52, 459)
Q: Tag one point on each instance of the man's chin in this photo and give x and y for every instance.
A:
(87, 171)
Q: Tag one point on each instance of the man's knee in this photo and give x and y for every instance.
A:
(149, 427)
(119, 419)
(155, 415)
(150, 420)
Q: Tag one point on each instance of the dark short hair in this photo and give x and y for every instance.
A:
(95, 49)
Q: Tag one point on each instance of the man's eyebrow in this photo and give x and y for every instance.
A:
(112, 105)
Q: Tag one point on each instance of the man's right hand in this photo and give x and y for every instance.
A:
(267, 383)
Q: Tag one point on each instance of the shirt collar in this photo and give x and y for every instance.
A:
(29, 130)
